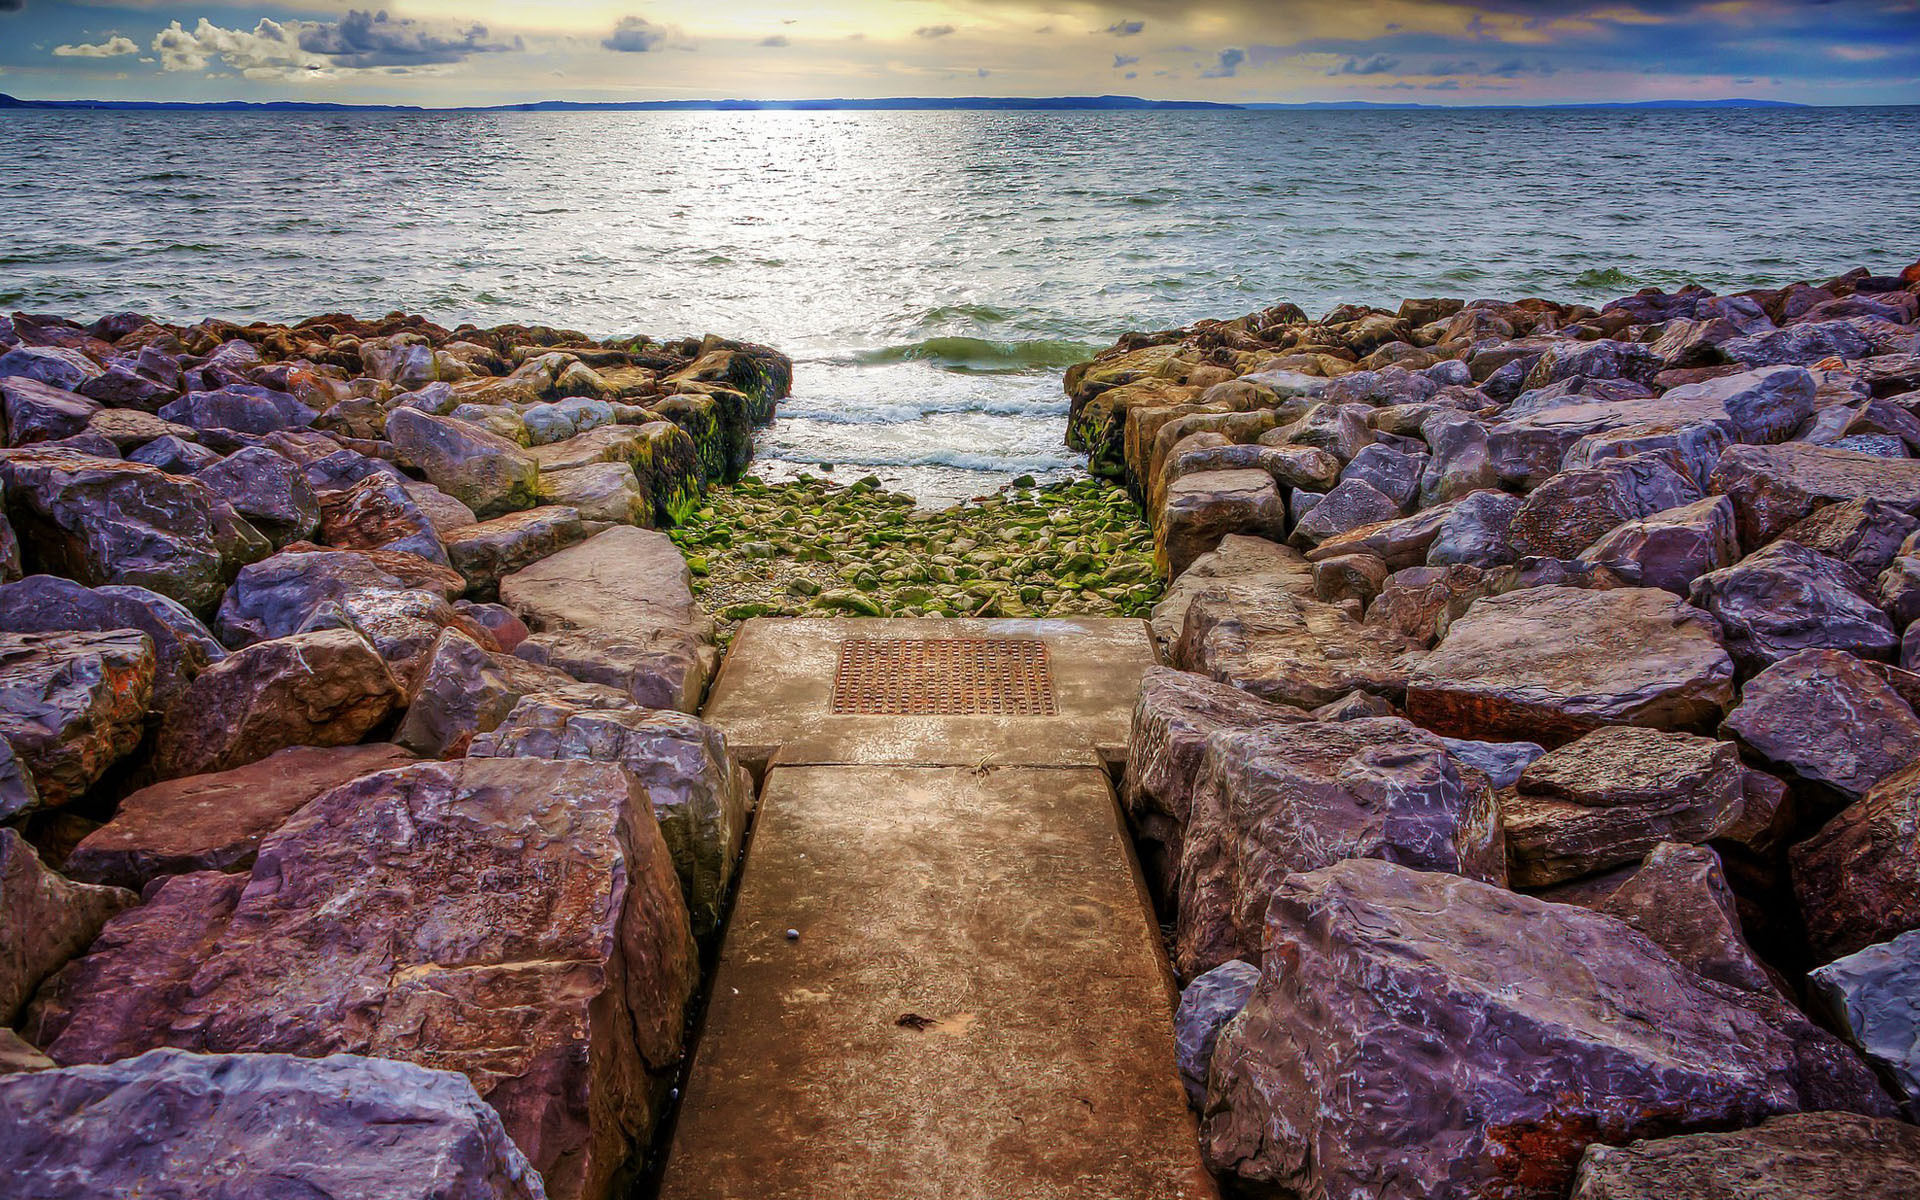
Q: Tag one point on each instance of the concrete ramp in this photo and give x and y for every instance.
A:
(977, 1004)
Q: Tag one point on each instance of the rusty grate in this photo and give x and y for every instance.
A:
(943, 677)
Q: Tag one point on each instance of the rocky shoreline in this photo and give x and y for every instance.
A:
(1534, 784)
(345, 742)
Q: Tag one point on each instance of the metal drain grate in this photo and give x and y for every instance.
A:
(943, 677)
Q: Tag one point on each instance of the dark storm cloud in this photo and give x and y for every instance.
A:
(1227, 65)
(373, 39)
(1378, 64)
(933, 31)
(635, 35)
(1127, 28)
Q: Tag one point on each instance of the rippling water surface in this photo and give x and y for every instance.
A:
(931, 273)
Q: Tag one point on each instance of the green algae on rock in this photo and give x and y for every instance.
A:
(819, 549)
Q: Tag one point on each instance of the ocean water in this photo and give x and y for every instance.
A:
(930, 272)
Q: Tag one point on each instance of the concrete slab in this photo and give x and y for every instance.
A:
(776, 690)
(977, 1007)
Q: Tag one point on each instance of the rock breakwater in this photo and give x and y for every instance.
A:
(1540, 712)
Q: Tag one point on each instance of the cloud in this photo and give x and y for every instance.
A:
(933, 31)
(1126, 28)
(776, 41)
(269, 51)
(1124, 60)
(368, 39)
(113, 47)
(1378, 64)
(1228, 64)
(12, 5)
(635, 35)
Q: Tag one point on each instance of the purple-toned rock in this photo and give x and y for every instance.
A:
(276, 596)
(239, 408)
(484, 471)
(1772, 487)
(1274, 800)
(1786, 598)
(1679, 897)
(701, 797)
(1352, 504)
(484, 553)
(103, 521)
(463, 690)
(1474, 531)
(1286, 649)
(1547, 664)
(1613, 795)
(50, 604)
(1858, 879)
(45, 919)
(1865, 534)
(1809, 1156)
(516, 920)
(1763, 406)
(1670, 549)
(1399, 542)
(327, 688)
(1206, 1005)
(1692, 447)
(507, 630)
(1206, 506)
(1602, 359)
(1804, 344)
(402, 627)
(1570, 511)
(270, 491)
(168, 1122)
(1420, 602)
(215, 822)
(55, 366)
(174, 455)
(1828, 718)
(36, 412)
(1421, 1036)
(71, 705)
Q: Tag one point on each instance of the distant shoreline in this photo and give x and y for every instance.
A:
(889, 104)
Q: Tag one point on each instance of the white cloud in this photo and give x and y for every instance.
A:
(268, 51)
(113, 47)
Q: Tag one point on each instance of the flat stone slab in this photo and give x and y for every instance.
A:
(976, 1006)
(778, 687)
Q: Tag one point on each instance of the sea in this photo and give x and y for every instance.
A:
(931, 273)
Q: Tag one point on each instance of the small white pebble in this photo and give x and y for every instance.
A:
(793, 935)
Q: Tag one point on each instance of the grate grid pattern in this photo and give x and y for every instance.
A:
(943, 677)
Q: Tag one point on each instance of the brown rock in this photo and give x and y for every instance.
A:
(1420, 602)
(1858, 879)
(1827, 718)
(1547, 664)
(1809, 1156)
(215, 822)
(463, 690)
(1679, 897)
(276, 596)
(1251, 561)
(482, 470)
(327, 688)
(1273, 800)
(45, 919)
(1421, 1036)
(1206, 506)
(1613, 795)
(486, 552)
(1570, 511)
(516, 920)
(71, 705)
(1772, 487)
(381, 513)
(168, 1123)
(1286, 649)
(402, 627)
(1670, 549)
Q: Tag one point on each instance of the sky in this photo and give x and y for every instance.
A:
(460, 52)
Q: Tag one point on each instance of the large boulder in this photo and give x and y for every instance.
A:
(1808, 1156)
(277, 596)
(516, 920)
(71, 705)
(1679, 897)
(463, 689)
(1206, 1005)
(1864, 534)
(1249, 560)
(1858, 879)
(632, 589)
(103, 521)
(1609, 797)
(381, 512)
(1772, 487)
(1672, 548)
(701, 797)
(1206, 506)
(486, 551)
(239, 408)
(215, 822)
(1786, 598)
(49, 604)
(1274, 800)
(1421, 1036)
(1175, 715)
(1573, 509)
(269, 490)
(1546, 664)
(169, 1124)
(326, 688)
(482, 470)
(45, 919)
(36, 412)
(1829, 719)
(1873, 996)
(1287, 649)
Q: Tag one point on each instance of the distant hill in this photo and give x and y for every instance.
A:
(895, 103)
